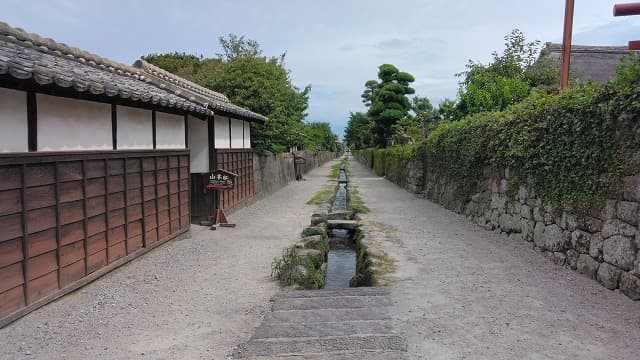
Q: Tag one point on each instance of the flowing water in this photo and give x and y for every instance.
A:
(341, 263)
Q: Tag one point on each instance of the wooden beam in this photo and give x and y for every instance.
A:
(32, 121)
(566, 44)
(153, 127)
(114, 126)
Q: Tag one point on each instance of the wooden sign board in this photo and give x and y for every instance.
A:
(221, 180)
(300, 160)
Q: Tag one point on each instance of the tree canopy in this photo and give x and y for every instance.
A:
(388, 101)
(249, 79)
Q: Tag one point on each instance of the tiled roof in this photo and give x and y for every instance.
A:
(194, 92)
(597, 63)
(29, 56)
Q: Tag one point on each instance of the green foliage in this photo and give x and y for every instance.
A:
(318, 137)
(507, 80)
(287, 269)
(388, 100)
(628, 72)
(323, 196)
(335, 171)
(249, 79)
(359, 131)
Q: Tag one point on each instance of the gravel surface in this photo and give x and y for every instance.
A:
(190, 299)
(464, 293)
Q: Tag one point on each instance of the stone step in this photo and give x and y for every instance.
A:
(342, 224)
(361, 291)
(295, 346)
(324, 315)
(360, 355)
(339, 302)
(323, 329)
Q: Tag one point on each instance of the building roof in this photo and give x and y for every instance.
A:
(597, 63)
(26, 56)
(194, 92)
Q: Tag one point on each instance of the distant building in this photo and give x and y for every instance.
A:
(597, 63)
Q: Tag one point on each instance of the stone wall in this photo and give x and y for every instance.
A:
(601, 243)
(272, 172)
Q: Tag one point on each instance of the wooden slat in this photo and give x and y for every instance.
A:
(10, 202)
(41, 219)
(10, 277)
(71, 212)
(116, 201)
(116, 217)
(11, 300)
(41, 265)
(70, 191)
(134, 228)
(148, 164)
(148, 178)
(133, 181)
(39, 197)
(71, 233)
(96, 261)
(10, 227)
(134, 197)
(95, 169)
(71, 273)
(96, 243)
(42, 242)
(71, 253)
(95, 187)
(10, 252)
(10, 178)
(116, 235)
(150, 207)
(162, 176)
(116, 184)
(133, 165)
(116, 167)
(39, 175)
(69, 171)
(117, 251)
(96, 224)
(42, 286)
(96, 206)
(134, 243)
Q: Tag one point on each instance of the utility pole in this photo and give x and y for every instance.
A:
(566, 44)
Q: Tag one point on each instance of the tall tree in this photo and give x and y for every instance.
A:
(389, 102)
(359, 131)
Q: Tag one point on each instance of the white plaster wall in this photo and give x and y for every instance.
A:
(199, 145)
(221, 130)
(247, 135)
(135, 128)
(237, 139)
(169, 131)
(72, 124)
(13, 121)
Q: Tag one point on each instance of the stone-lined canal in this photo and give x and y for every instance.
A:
(341, 259)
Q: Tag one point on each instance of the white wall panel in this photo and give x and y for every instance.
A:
(72, 124)
(247, 135)
(199, 145)
(221, 129)
(169, 131)
(135, 128)
(13, 121)
(236, 134)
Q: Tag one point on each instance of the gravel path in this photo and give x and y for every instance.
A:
(464, 293)
(191, 299)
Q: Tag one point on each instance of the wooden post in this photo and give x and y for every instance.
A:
(566, 44)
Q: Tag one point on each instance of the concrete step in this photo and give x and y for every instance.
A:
(295, 346)
(324, 315)
(360, 355)
(338, 302)
(323, 329)
(342, 224)
(361, 291)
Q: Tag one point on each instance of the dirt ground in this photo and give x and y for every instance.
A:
(464, 293)
(190, 299)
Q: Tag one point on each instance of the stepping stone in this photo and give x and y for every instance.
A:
(342, 224)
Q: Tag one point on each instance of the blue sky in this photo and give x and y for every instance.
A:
(333, 45)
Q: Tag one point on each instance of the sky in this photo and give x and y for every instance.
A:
(335, 46)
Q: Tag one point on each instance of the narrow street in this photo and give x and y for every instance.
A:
(464, 293)
(190, 299)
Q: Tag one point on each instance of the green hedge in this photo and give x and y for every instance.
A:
(574, 147)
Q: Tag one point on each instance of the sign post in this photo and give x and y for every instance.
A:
(297, 161)
(221, 180)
